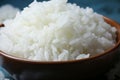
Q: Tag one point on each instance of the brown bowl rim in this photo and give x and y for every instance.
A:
(108, 20)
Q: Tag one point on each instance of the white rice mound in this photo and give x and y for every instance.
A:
(7, 11)
(56, 31)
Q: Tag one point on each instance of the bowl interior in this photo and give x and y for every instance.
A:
(109, 21)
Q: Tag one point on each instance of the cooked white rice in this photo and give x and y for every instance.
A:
(7, 11)
(56, 30)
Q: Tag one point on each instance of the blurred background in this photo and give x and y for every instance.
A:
(109, 8)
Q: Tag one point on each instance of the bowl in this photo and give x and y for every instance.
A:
(83, 69)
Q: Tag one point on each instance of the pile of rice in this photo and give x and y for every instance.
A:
(7, 11)
(56, 31)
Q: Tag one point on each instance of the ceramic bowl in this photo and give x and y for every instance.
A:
(76, 69)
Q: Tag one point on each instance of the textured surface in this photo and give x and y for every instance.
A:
(109, 8)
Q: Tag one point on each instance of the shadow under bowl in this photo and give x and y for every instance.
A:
(76, 69)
